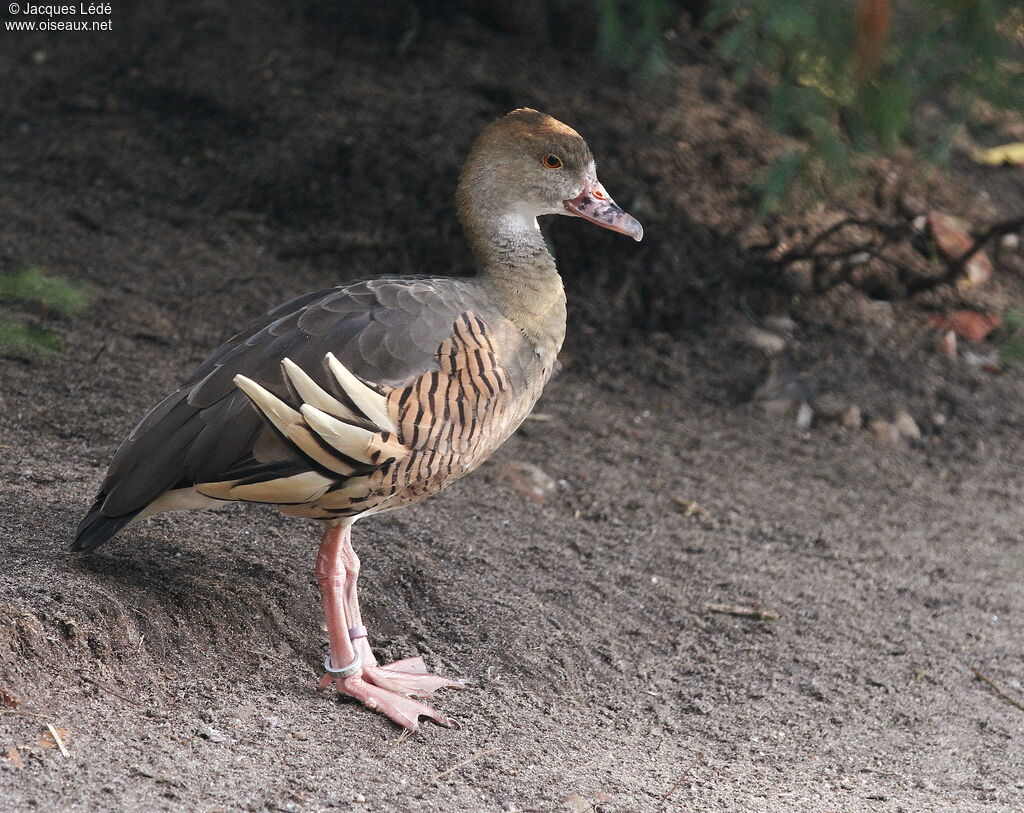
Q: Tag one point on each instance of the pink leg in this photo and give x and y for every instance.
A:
(409, 676)
(387, 689)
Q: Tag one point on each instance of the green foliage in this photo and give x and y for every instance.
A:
(27, 339)
(847, 78)
(629, 33)
(854, 76)
(34, 287)
(45, 294)
(1011, 346)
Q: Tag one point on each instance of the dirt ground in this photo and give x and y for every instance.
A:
(201, 165)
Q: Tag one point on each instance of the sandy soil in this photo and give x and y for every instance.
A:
(199, 171)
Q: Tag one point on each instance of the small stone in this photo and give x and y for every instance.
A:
(885, 432)
(947, 344)
(920, 223)
(360, 799)
(907, 426)
(781, 324)
(914, 206)
(765, 340)
(851, 417)
(1010, 242)
(528, 480)
(576, 804)
(799, 276)
(804, 416)
(208, 732)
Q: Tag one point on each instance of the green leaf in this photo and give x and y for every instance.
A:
(776, 181)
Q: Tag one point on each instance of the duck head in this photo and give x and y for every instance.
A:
(528, 164)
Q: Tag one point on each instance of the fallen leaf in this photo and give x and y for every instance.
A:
(8, 700)
(1001, 155)
(872, 33)
(969, 325)
(954, 241)
(15, 757)
(692, 509)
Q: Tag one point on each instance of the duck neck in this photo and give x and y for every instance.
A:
(519, 272)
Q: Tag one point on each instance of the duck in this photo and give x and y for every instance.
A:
(376, 394)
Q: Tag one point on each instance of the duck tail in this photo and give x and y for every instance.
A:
(97, 527)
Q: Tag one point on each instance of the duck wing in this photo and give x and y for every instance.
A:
(385, 331)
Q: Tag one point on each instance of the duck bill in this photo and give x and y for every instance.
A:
(596, 205)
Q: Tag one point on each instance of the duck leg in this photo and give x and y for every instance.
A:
(352, 666)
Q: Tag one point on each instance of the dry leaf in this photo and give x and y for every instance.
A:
(692, 509)
(872, 33)
(969, 325)
(953, 240)
(15, 757)
(1003, 154)
(8, 700)
(54, 737)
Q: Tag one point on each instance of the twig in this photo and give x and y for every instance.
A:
(992, 685)
(995, 230)
(22, 711)
(406, 734)
(107, 689)
(891, 230)
(58, 740)
(479, 755)
(743, 612)
(682, 778)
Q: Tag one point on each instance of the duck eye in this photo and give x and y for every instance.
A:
(552, 161)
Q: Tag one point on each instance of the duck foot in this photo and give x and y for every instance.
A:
(398, 708)
(409, 677)
(389, 689)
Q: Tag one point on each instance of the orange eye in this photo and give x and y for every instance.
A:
(552, 161)
(597, 193)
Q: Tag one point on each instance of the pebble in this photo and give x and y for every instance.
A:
(208, 732)
(851, 417)
(781, 324)
(765, 340)
(528, 480)
(804, 416)
(885, 432)
(1010, 242)
(907, 426)
(799, 276)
